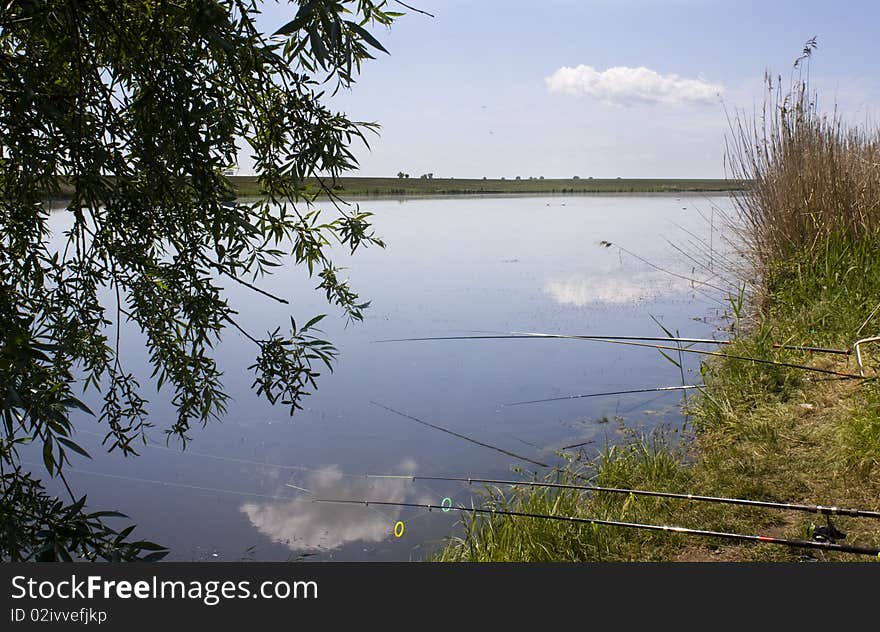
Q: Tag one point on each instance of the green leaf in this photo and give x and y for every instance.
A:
(372, 41)
(146, 545)
(107, 514)
(70, 444)
(48, 457)
(124, 533)
(62, 553)
(314, 321)
(670, 359)
(318, 48)
(659, 324)
(75, 508)
(73, 402)
(13, 397)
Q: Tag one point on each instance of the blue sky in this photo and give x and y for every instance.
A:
(466, 94)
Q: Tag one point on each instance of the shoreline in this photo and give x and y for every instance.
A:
(453, 187)
(397, 188)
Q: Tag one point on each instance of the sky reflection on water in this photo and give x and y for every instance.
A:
(452, 267)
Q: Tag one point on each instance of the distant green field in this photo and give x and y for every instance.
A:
(247, 186)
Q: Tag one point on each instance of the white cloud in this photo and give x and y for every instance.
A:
(621, 85)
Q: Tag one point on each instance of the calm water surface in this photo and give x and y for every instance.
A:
(242, 488)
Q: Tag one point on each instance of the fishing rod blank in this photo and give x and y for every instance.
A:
(629, 392)
(703, 352)
(804, 544)
(819, 509)
(528, 335)
(708, 341)
(688, 340)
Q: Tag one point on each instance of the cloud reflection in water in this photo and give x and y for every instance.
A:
(307, 526)
(614, 289)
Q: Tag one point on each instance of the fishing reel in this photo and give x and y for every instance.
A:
(827, 533)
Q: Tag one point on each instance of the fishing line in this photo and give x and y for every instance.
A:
(170, 484)
(524, 442)
(460, 436)
(216, 490)
(818, 509)
(806, 544)
(639, 405)
(730, 264)
(151, 443)
(664, 270)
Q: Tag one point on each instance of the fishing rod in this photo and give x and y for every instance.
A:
(711, 341)
(777, 345)
(622, 341)
(629, 392)
(460, 436)
(790, 365)
(805, 544)
(530, 335)
(818, 509)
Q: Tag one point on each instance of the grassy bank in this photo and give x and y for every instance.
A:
(810, 226)
(401, 187)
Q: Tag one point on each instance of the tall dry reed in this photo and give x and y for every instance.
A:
(812, 176)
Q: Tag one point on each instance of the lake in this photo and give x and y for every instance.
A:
(242, 489)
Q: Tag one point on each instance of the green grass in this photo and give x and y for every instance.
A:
(858, 434)
(655, 462)
(400, 187)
